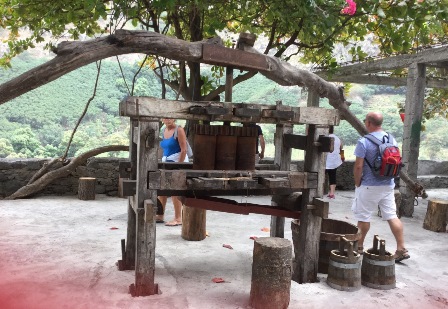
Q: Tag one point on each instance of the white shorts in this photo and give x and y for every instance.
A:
(369, 198)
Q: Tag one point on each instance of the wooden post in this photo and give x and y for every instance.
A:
(144, 204)
(310, 225)
(436, 216)
(193, 223)
(132, 227)
(283, 160)
(415, 94)
(271, 273)
(86, 188)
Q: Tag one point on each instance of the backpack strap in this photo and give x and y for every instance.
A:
(374, 140)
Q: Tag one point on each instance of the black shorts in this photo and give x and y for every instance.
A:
(331, 175)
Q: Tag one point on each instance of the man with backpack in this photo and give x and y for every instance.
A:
(376, 165)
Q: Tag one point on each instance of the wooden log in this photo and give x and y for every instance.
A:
(271, 273)
(86, 188)
(436, 216)
(193, 223)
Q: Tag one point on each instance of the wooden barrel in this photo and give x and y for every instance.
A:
(378, 267)
(344, 269)
(225, 155)
(331, 232)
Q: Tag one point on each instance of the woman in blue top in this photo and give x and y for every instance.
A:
(174, 150)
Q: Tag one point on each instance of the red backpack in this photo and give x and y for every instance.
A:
(387, 162)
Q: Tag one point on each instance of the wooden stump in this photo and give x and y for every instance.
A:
(271, 273)
(86, 188)
(193, 223)
(436, 216)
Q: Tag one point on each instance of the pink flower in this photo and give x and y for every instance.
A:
(350, 9)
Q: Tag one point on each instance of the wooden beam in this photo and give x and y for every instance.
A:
(231, 206)
(224, 56)
(415, 96)
(372, 79)
(295, 141)
(433, 55)
(153, 109)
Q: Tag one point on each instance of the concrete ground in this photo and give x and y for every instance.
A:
(60, 252)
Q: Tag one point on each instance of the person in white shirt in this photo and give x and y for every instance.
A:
(334, 160)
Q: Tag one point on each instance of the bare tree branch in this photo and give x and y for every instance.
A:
(83, 113)
(63, 171)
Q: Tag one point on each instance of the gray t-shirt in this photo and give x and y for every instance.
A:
(367, 150)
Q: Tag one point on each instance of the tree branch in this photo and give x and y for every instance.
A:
(63, 171)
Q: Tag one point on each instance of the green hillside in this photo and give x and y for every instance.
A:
(39, 123)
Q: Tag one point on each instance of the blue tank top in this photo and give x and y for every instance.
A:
(170, 146)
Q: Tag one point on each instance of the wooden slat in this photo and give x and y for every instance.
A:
(275, 182)
(242, 183)
(247, 112)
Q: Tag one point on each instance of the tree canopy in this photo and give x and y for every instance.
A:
(309, 29)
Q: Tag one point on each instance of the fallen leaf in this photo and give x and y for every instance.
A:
(114, 228)
(253, 237)
(347, 217)
(218, 280)
(265, 229)
(227, 246)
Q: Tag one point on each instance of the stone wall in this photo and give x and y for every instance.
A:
(15, 173)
